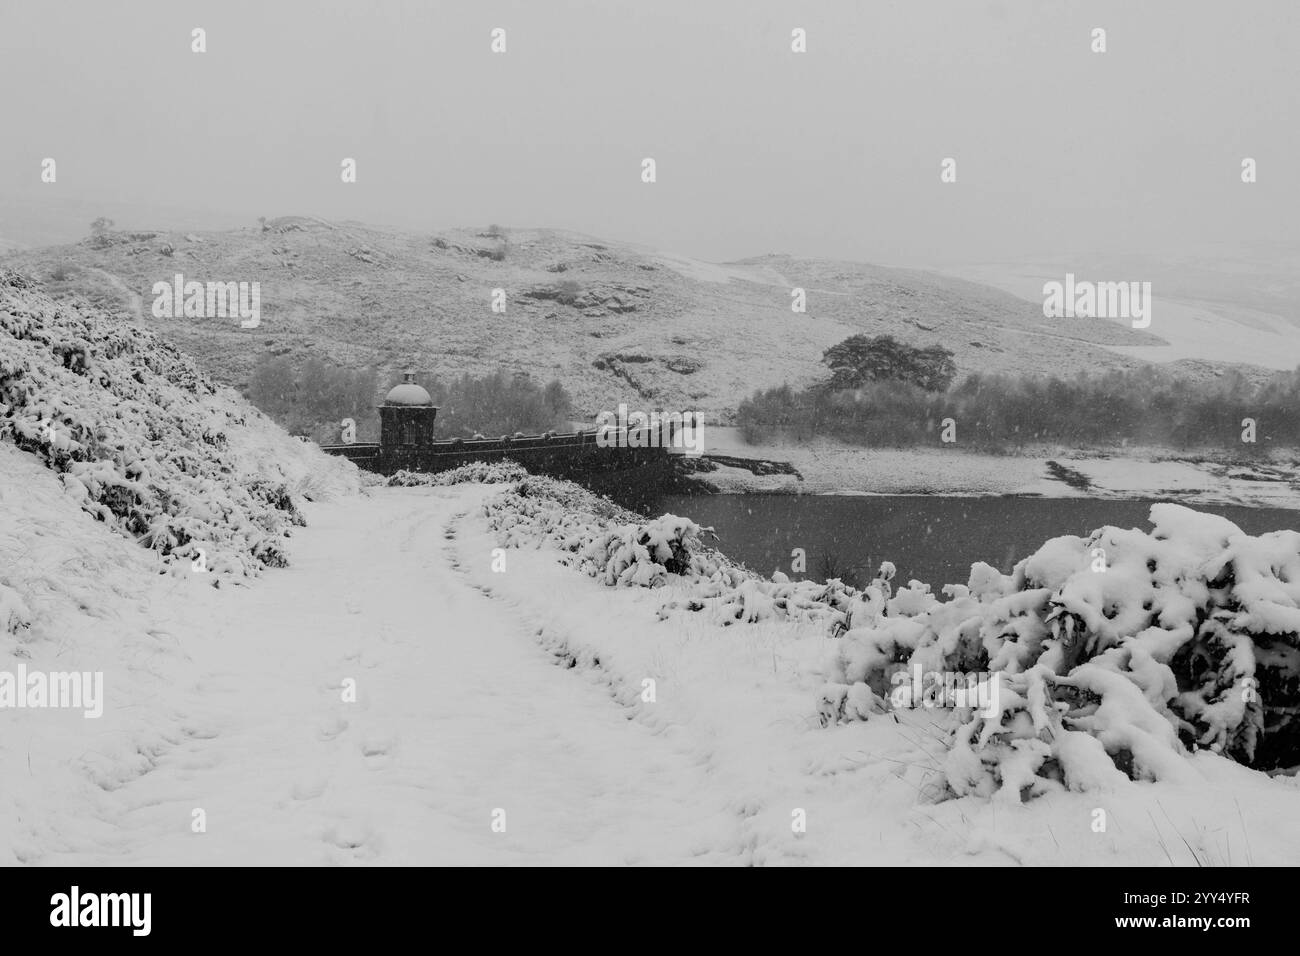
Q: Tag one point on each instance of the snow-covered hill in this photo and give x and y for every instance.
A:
(391, 696)
(613, 321)
(128, 484)
(145, 442)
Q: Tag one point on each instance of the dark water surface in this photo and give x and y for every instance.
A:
(933, 539)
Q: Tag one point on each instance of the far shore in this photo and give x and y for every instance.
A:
(828, 467)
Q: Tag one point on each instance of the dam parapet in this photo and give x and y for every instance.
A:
(407, 443)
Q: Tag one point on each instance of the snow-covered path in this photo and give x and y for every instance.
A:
(458, 712)
(231, 701)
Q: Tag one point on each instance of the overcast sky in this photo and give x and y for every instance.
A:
(835, 152)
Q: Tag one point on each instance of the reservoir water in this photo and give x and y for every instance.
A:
(933, 539)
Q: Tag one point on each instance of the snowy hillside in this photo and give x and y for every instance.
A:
(613, 321)
(119, 460)
(145, 442)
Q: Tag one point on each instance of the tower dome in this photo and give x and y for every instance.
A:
(407, 393)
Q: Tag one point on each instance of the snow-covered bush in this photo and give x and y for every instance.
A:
(144, 441)
(619, 548)
(1117, 653)
(14, 613)
(605, 541)
(476, 472)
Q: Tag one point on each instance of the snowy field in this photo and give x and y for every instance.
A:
(519, 690)
(827, 466)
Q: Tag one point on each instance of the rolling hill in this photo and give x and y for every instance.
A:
(614, 322)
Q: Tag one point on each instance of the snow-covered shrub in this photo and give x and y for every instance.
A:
(607, 542)
(1116, 654)
(476, 472)
(144, 441)
(619, 548)
(14, 614)
(744, 597)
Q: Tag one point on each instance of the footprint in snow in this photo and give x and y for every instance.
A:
(378, 744)
(357, 841)
(332, 726)
(199, 733)
(308, 789)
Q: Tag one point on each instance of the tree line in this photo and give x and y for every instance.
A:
(885, 393)
(311, 397)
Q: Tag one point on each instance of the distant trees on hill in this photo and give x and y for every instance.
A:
(499, 403)
(860, 359)
(311, 397)
(874, 398)
(502, 235)
(100, 231)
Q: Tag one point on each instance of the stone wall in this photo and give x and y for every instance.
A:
(575, 457)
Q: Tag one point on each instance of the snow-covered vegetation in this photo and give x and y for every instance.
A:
(885, 402)
(1118, 654)
(479, 472)
(148, 444)
(309, 396)
(618, 548)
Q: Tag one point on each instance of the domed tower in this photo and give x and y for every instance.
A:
(406, 417)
